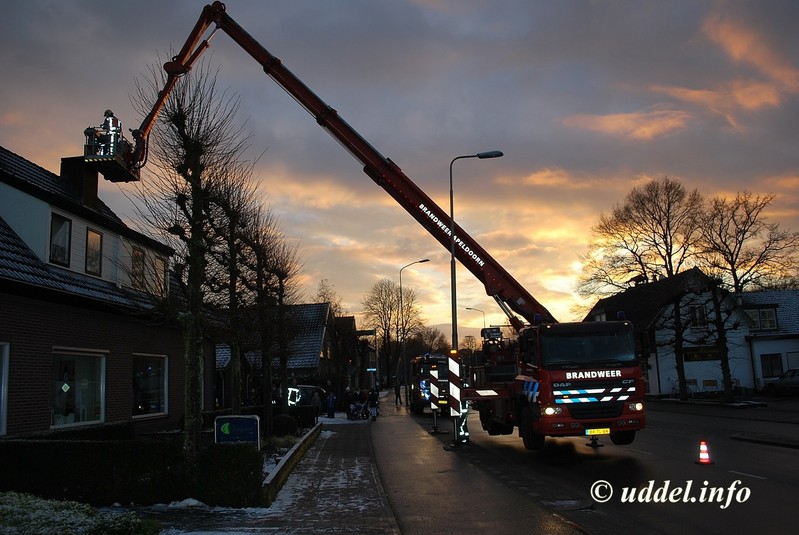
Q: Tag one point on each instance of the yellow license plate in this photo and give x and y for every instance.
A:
(598, 431)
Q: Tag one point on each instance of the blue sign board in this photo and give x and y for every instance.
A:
(237, 429)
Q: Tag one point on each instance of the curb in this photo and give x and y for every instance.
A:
(764, 438)
(277, 478)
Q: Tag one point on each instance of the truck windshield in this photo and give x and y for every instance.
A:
(587, 349)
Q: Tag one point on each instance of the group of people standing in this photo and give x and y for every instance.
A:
(362, 404)
(359, 405)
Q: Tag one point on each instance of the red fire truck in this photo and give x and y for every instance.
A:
(552, 379)
(422, 397)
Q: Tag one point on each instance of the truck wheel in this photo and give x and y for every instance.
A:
(485, 420)
(531, 439)
(622, 438)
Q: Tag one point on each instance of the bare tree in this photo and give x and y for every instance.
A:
(285, 268)
(382, 312)
(409, 317)
(261, 239)
(653, 233)
(430, 340)
(232, 213)
(274, 267)
(326, 293)
(194, 144)
(743, 248)
(380, 306)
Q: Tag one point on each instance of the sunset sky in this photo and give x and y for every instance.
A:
(587, 99)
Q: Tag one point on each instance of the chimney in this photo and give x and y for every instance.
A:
(81, 180)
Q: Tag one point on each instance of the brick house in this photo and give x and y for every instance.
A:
(79, 344)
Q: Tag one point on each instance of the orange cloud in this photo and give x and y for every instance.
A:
(12, 118)
(739, 94)
(754, 95)
(640, 126)
(743, 44)
(549, 177)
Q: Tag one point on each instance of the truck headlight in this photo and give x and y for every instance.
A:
(552, 411)
(637, 406)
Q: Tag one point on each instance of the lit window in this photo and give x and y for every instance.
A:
(94, 252)
(60, 239)
(149, 385)
(77, 386)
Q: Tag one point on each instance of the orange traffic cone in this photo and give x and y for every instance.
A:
(704, 454)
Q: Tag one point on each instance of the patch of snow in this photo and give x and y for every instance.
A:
(188, 502)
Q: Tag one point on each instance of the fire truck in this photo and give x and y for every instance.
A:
(549, 379)
(421, 377)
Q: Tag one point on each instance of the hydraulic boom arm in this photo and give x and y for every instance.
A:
(499, 284)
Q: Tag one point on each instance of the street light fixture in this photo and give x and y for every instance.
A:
(481, 312)
(482, 156)
(402, 323)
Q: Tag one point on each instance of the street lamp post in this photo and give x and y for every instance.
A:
(402, 323)
(482, 156)
(481, 312)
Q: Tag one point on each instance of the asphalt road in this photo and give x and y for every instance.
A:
(433, 491)
(655, 485)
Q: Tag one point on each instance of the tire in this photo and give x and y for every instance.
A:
(492, 427)
(532, 441)
(622, 438)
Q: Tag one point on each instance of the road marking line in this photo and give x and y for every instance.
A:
(642, 451)
(750, 475)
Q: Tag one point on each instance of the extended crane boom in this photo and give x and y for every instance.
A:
(499, 284)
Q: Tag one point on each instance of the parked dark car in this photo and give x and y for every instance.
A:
(787, 383)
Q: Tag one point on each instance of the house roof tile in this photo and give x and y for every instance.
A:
(42, 183)
(641, 304)
(308, 323)
(786, 303)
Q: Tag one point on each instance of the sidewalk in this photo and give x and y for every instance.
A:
(335, 488)
(387, 477)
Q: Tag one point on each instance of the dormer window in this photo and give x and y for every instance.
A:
(137, 269)
(765, 319)
(60, 239)
(94, 252)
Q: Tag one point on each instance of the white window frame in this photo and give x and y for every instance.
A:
(99, 272)
(68, 247)
(4, 358)
(101, 390)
